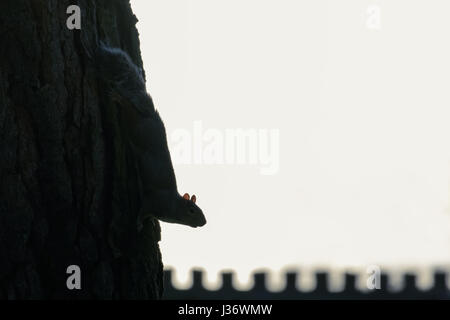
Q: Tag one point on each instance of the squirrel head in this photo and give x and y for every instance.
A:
(189, 213)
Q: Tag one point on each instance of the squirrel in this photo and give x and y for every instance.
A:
(146, 135)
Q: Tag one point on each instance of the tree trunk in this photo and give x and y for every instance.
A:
(68, 186)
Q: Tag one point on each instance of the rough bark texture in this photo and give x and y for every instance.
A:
(67, 184)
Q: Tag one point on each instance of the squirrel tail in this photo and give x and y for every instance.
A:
(115, 65)
(124, 79)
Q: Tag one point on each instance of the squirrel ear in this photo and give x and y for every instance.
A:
(194, 198)
(186, 196)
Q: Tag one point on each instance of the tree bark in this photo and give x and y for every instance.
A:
(68, 186)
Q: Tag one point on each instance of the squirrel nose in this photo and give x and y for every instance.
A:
(202, 222)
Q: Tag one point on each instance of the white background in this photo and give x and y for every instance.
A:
(364, 128)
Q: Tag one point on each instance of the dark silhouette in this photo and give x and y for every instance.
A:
(146, 140)
(69, 186)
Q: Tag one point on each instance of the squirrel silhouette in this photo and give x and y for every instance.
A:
(146, 134)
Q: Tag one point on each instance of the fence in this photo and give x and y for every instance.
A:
(439, 289)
